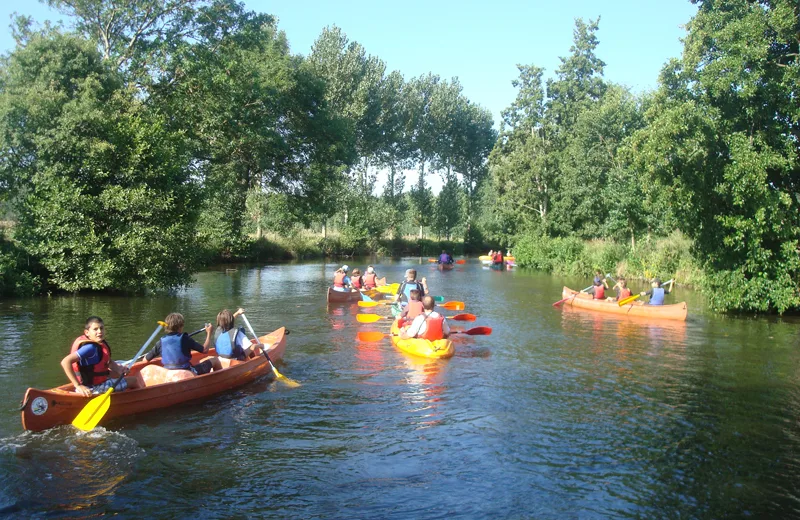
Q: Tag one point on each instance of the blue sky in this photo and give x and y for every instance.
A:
(480, 42)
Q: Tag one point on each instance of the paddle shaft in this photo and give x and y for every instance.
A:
(255, 338)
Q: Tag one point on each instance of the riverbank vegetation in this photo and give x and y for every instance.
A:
(164, 136)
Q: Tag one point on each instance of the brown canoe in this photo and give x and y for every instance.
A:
(43, 409)
(676, 311)
(446, 267)
(343, 297)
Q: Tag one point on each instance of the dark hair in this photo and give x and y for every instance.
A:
(92, 319)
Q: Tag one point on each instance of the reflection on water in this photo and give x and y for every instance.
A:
(560, 413)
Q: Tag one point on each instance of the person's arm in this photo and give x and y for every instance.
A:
(605, 283)
(66, 364)
(413, 330)
(154, 352)
(116, 369)
(209, 329)
(425, 286)
(238, 312)
(646, 293)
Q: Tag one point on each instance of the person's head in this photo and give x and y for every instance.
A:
(428, 302)
(370, 269)
(444, 252)
(174, 322)
(225, 320)
(411, 274)
(94, 328)
(598, 281)
(622, 282)
(345, 268)
(356, 272)
(414, 294)
(656, 282)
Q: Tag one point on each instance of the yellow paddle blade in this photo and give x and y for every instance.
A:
(93, 412)
(629, 299)
(372, 293)
(368, 318)
(368, 304)
(289, 382)
(389, 289)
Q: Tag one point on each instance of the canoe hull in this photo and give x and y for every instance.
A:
(439, 349)
(45, 409)
(446, 267)
(676, 311)
(343, 297)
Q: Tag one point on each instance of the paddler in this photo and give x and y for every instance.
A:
(175, 348)
(429, 325)
(89, 362)
(657, 293)
(371, 278)
(341, 282)
(404, 291)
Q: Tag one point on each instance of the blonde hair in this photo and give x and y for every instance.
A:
(174, 322)
(225, 320)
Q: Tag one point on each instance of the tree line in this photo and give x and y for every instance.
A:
(163, 135)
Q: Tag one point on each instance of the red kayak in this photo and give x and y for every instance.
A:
(43, 409)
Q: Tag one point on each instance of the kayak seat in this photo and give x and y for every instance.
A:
(153, 375)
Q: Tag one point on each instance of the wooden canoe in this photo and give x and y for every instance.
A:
(439, 349)
(343, 296)
(675, 311)
(43, 409)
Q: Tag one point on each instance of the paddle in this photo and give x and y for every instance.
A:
(289, 382)
(461, 262)
(377, 336)
(372, 318)
(559, 302)
(438, 299)
(388, 289)
(633, 298)
(95, 409)
(132, 361)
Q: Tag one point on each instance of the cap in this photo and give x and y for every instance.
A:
(345, 268)
(370, 269)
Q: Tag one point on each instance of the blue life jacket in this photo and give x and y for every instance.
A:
(657, 298)
(407, 287)
(226, 345)
(172, 355)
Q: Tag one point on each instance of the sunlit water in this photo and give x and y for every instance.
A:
(559, 413)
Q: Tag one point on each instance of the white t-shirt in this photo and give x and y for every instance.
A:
(419, 326)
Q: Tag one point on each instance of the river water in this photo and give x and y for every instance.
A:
(559, 413)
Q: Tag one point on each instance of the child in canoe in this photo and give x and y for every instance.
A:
(370, 279)
(232, 343)
(429, 325)
(89, 362)
(656, 293)
(175, 348)
(341, 282)
(622, 289)
(413, 309)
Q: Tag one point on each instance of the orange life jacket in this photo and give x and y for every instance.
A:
(599, 292)
(415, 308)
(434, 328)
(624, 293)
(338, 279)
(370, 280)
(356, 282)
(87, 375)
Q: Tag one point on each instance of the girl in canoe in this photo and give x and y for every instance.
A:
(341, 282)
(175, 348)
(371, 278)
(89, 362)
(356, 280)
(232, 343)
(414, 307)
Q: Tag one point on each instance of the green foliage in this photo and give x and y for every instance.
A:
(16, 278)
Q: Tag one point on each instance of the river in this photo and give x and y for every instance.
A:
(559, 413)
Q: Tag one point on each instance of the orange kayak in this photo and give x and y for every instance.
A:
(676, 311)
(43, 409)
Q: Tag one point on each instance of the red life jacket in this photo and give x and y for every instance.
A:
(356, 282)
(434, 330)
(370, 280)
(498, 258)
(338, 279)
(599, 292)
(624, 293)
(87, 375)
(415, 308)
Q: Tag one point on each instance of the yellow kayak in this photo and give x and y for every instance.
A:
(439, 349)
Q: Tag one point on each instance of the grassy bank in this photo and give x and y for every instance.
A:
(666, 258)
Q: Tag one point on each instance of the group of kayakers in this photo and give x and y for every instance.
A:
(342, 282)
(418, 319)
(89, 364)
(656, 293)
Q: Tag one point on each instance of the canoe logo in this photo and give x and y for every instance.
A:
(39, 406)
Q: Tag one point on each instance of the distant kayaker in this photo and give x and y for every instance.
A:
(370, 279)
(657, 293)
(497, 259)
(429, 325)
(341, 282)
(404, 291)
(356, 281)
(230, 342)
(622, 289)
(175, 348)
(89, 362)
(445, 258)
